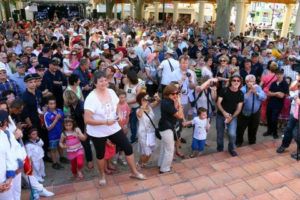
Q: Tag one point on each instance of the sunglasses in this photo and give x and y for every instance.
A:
(175, 93)
(235, 80)
(222, 60)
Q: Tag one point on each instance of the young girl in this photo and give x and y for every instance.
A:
(70, 140)
(34, 148)
(201, 124)
(110, 151)
(285, 111)
(124, 111)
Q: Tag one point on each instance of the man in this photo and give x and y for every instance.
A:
(201, 47)
(182, 43)
(276, 94)
(3, 63)
(18, 77)
(28, 42)
(292, 127)
(54, 80)
(44, 57)
(230, 103)
(8, 84)
(7, 167)
(83, 73)
(168, 66)
(257, 67)
(246, 70)
(250, 115)
(288, 71)
(186, 79)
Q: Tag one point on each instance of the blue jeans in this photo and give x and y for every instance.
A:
(290, 132)
(133, 120)
(220, 124)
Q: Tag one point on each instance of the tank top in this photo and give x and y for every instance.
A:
(78, 93)
(72, 142)
(131, 95)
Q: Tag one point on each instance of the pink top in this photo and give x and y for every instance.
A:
(268, 80)
(295, 115)
(31, 70)
(124, 113)
(74, 65)
(72, 141)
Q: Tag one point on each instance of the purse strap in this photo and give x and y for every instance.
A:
(150, 119)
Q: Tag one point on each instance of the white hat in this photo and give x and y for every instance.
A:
(144, 34)
(66, 52)
(75, 34)
(170, 51)
(105, 46)
(150, 42)
(269, 51)
(2, 67)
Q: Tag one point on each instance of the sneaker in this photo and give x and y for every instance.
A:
(233, 153)
(57, 166)
(122, 160)
(64, 160)
(280, 149)
(40, 180)
(45, 193)
(294, 155)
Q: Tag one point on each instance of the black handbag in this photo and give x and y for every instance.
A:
(157, 133)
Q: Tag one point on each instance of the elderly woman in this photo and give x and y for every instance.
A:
(171, 111)
(100, 115)
(146, 130)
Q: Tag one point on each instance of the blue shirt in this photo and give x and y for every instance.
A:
(20, 81)
(55, 133)
(10, 85)
(248, 101)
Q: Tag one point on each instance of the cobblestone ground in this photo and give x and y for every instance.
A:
(58, 177)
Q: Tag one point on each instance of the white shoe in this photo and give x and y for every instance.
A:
(45, 193)
(122, 160)
(41, 180)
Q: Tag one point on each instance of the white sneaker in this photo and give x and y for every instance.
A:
(45, 193)
(123, 161)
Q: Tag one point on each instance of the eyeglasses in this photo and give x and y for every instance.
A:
(222, 60)
(235, 80)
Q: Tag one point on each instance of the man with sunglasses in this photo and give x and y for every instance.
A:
(277, 92)
(230, 103)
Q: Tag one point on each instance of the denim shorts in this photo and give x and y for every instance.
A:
(198, 145)
(53, 144)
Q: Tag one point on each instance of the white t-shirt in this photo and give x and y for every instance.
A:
(95, 52)
(200, 132)
(166, 70)
(107, 111)
(206, 72)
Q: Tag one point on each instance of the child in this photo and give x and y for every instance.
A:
(124, 111)
(110, 151)
(53, 121)
(70, 140)
(201, 124)
(34, 148)
(285, 111)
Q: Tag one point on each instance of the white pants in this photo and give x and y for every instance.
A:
(39, 169)
(166, 150)
(7, 195)
(33, 182)
(16, 187)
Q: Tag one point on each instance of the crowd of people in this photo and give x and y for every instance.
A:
(69, 86)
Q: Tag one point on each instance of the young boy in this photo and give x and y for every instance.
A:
(123, 114)
(201, 126)
(53, 121)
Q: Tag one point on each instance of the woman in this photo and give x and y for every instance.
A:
(12, 58)
(74, 63)
(171, 111)
(100, 115)
(234, 65)
(132, 89)
(112, 80)
(206, 69)
(74, 83)
(74, 107)
(146, 131)
(265, 83)
(223, 72)
(95, 54)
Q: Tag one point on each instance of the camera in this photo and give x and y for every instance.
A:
(151, 99)
(188, 74)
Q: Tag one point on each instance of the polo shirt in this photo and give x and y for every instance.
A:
(20, 81)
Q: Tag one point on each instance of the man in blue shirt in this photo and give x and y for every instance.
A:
(83, 73)
(257, 67)
(18, 77)
(250, 115)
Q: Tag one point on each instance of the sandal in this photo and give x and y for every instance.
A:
(80, 176)
(139, 176)
(102, 182)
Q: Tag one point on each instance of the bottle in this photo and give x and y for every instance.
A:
(34, 195)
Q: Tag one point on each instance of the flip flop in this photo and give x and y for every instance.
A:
(139, 176)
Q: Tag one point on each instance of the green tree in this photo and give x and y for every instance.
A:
(109, 8)
(223, 18)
